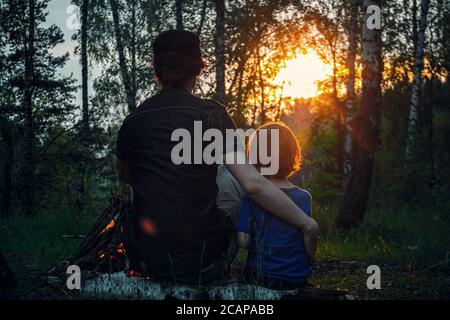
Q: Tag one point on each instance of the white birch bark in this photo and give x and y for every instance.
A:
(417, 82)
(365, 129)
(350, 101)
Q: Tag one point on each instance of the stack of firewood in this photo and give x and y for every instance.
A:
(102, 249)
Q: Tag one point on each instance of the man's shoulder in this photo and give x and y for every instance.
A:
(160, 101)
(216, 104)
(213, 106)
(210, 108)
(142, 107)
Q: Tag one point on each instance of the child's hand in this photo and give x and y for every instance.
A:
(243, 240)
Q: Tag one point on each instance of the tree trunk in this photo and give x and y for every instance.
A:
(133, 49)
(414, 27)
(85, 105)
(254, 108)
(429, 133)
(220, 50)
(262, 115)
(279, 104)
(28, 106)
(84, 69)
(338, 167)
(8, 160)
(202, 17)
(179, 14)
(122, 61)
(417, 82)
(350, 99)
(365, 138)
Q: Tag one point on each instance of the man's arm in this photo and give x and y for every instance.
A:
(271, 198)
(123, 171)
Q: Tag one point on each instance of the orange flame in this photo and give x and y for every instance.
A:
(120, 249)
(109, 226)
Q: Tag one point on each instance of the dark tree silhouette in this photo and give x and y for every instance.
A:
(179, 14)
(84, 128)
(131, 99)
(220, 50)
(28, 106)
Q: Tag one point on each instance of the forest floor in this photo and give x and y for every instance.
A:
(412, 249)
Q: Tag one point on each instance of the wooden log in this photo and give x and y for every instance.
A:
(121, 286)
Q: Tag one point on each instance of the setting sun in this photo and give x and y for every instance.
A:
(300, 75)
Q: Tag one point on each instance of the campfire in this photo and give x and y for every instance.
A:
(102, 250)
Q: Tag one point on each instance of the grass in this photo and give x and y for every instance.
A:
(32, 245)
(416, 237)
(40, 239)
(411, 246)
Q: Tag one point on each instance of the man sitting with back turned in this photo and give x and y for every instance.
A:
(175, 230)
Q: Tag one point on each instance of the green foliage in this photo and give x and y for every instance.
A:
(413, 236)
(322, 156)
(32, 125)
(38, 241)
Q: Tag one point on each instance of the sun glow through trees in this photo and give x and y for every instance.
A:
(301, 74)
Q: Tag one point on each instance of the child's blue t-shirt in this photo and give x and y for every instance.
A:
(276, 249)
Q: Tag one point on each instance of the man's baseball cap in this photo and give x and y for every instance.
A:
(177, 41)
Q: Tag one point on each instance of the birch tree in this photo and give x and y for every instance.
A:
(354, 202)
(417, 82)
(350, 99)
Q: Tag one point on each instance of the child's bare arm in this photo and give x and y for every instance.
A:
(243, 240)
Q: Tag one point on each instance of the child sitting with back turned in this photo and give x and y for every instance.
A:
(277, 257)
